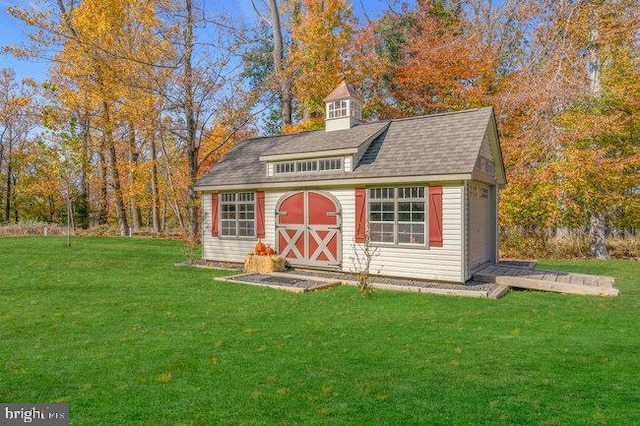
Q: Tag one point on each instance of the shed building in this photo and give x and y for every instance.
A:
(423, 189)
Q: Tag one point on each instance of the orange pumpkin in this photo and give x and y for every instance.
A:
(260, 248)
(270, 251)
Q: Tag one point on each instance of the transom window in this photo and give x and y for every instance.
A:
(238, 214)
(308, 166)
(397, 215)
(338, 109)
(330, 164)
(286, 167)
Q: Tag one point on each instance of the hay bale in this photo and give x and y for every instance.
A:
(263, 264)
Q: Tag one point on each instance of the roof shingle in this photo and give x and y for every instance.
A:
(440, 144)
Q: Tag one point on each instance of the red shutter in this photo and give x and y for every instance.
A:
(361, 215)
(214, 215)
(435, 216)
(260, 214)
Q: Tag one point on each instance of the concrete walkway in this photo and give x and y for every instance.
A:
(506, 276)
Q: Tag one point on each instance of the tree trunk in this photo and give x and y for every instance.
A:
(83, 208)
(189, 112)
(133, 162)
(1, 160)
(69, 213)
(121, 212)
(278, 63)
(52, 208)
(16, 216)
(103, 210)
(7, 209)
(163, 220)
(171, 189)
(155, 199)
(597, 237)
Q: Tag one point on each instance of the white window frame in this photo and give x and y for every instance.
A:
(338, 109)
(237, 215)
(315, 165)
(384, 203)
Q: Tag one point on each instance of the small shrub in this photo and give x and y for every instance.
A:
(521, 244)
(624, 247)
(190, 249)
(363, 256)
(24, 229)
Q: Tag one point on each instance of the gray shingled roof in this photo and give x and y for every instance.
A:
(324, 141)
(440, 144)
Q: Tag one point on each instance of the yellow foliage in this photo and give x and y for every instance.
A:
(321, 34)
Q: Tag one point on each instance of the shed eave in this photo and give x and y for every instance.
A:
(343, 182)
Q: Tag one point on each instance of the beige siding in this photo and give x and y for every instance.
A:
(485, 148)
(214, 248)
(270, 201)
(436, 263)
(465, 231)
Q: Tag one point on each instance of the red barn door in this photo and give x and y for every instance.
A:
(308, 229)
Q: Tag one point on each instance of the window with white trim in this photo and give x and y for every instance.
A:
(285, 167)
(238, 214)
(327, 164)
(398, 215)
(306, 166)
(338, 109)
(309, 166)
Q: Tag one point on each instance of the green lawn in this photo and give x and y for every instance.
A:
(115, 330)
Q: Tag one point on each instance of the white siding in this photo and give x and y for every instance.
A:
(435, 263)
(270, 201)
(348, 163)
(214, 248)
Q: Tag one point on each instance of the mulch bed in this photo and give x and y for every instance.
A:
(278, 280)
(328, 277)
(285, 283)
(403, 282)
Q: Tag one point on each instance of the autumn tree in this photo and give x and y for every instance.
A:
(446, 64)
(266, 62)
(61, 149)
(570, 138)
(17, 118)
(378, 51)
(321, 36)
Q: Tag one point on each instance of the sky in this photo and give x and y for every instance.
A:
(12, 31)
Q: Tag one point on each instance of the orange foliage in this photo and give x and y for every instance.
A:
(447, 67)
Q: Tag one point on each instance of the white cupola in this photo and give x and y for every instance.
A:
(343, 108)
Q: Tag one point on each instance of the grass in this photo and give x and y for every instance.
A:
(112, 328)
